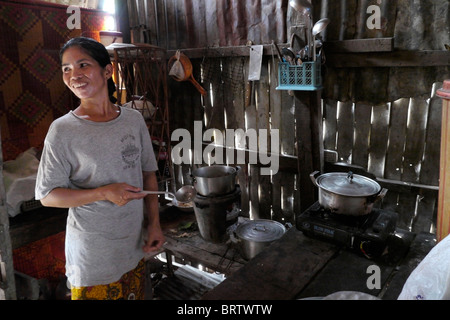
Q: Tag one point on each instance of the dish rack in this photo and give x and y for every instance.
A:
(304, 77)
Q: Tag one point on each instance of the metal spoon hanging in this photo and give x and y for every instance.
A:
(302, 6)
(319, 26)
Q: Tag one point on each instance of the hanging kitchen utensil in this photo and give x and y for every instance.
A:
(319, 26)
(288, 55)
(302, 53)
(187, 68)
(321, 54)
(278, 51)
(304, 7)
(250, 108)
(256, 55)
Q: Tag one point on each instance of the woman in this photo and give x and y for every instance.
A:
(96, 160)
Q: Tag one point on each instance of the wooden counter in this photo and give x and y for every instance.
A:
(297, 266)
(279, 272)
(186, 244)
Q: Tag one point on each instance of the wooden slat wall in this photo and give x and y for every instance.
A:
(174, 24)
(395, 141)
(232, 103)
(398, 142)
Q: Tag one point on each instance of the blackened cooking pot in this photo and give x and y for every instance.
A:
(215, 180)
(347, 193)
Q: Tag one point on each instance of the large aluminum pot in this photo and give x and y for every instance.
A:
(253, 236)
(347, 193)
(215, 180)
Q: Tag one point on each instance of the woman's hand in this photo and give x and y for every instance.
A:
(121, 193)
(155, 238)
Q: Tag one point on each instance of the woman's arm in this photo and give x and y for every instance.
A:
(155, 237)
(118, 193)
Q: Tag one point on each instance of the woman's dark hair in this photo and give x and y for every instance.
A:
(96, 51)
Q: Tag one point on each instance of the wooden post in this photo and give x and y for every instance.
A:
(443, 218)
(7, 283)
(308, 143)
(308, 129)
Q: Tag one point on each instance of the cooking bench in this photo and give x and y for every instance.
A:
(296, 266)
(186, 243)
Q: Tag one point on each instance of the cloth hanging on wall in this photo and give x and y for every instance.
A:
(32, 93)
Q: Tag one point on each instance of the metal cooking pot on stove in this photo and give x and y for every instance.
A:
(215, 180)
(253, 236)
(347, 193)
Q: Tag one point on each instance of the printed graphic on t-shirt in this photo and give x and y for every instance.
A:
(130, 153)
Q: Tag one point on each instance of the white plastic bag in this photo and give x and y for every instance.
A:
(19, 178)
(350, 295)
(177, 69)
(431, 278)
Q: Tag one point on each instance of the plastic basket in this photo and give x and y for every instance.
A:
(305, 77)
(30, 205)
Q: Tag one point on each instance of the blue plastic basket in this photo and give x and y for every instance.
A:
(306, 77)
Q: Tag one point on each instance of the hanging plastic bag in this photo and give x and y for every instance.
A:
(177, 69)
(430, 280)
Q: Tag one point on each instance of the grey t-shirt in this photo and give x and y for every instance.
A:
(103, 240)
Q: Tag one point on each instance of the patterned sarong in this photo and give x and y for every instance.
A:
(130, 287)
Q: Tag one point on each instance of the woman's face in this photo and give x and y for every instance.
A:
(83, 75)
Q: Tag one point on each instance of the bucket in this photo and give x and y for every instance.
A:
(215, 214)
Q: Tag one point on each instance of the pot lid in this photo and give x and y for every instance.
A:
(348, 184)
(260, 230)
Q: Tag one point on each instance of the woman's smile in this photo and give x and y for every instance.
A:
(82, 74)
(78, 85)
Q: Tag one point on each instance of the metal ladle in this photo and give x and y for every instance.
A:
(288, 55)
(319, 26)
(184, 195)
(304, 7)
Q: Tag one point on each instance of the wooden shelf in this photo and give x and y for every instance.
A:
(37, 224)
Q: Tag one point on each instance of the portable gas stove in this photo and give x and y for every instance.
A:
(368, 234)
